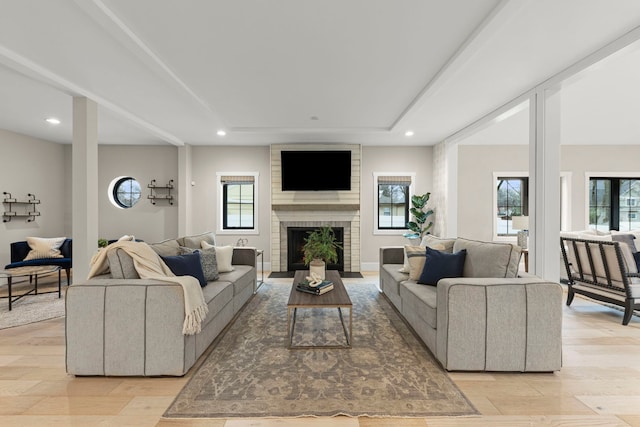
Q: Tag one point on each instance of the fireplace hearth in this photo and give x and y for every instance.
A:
(295, 242)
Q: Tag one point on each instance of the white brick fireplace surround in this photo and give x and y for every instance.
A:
(348, 220)
(315, 208)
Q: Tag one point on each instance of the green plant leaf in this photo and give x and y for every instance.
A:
(420, 215)
(321, 244)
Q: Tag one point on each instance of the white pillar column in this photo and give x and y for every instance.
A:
(185, 189)
(544, 171)
(84, 187)
(451, 222)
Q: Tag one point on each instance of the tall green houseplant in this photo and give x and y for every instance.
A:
(421, 213)
(321, 244)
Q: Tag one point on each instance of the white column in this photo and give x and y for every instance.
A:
(544, 171)
(84, 187)
(451, 222)
(185, 189)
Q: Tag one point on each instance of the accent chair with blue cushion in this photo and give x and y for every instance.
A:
(20, 250)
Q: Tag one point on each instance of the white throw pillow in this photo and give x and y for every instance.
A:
(127, 238)
(44, 247)
(406, 268)
(224, 255)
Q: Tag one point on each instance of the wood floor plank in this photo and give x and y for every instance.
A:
(598, 385)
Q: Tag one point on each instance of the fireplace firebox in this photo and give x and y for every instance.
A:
(295, 243)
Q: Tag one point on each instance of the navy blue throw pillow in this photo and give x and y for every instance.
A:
(636, 256)
(186, 265)
(439, 265)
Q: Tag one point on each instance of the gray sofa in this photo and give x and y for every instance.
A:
(129, 326)
(491, 319)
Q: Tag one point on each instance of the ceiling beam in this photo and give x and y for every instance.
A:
(117, 28)
(575, 71)
(504, 11)
(37, 72)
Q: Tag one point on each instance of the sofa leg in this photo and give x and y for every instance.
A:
(570, 295)
(628, 312)
(68, 270)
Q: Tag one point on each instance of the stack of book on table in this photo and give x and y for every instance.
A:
(322, 288)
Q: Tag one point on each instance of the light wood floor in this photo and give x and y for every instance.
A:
(599, 384)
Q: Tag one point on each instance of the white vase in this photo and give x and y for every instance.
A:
(317, 266)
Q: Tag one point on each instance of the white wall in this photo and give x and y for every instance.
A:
(31, 165)
(151, 223)
(206, 162)
(579, 159)
(476, 165)
(388, 159)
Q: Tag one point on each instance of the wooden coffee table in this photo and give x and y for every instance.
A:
(337, 298)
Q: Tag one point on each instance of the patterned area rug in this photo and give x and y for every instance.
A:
(30, 309)
(251, 373)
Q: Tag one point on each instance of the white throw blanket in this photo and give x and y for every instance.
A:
(149, 265)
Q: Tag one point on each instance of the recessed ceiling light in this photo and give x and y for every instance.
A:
(221, 133)
(53, 121)
(408, 133)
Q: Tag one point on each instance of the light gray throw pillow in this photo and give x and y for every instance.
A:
(207, 260)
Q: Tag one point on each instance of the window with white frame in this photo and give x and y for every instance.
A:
(238, 202)
(511, 199)
(393, 195)
(613, 203)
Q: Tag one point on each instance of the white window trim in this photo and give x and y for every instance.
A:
(397, 232)
(256, 204)
(587, 178)
(494, 215)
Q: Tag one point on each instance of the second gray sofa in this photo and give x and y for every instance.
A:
(129, 326)
(490, 319)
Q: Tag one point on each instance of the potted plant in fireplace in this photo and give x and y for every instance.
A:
(320, 248)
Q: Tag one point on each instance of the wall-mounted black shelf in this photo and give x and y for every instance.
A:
(11, 204)
(160, 192)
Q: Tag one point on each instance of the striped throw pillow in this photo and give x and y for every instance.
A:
(44, 247)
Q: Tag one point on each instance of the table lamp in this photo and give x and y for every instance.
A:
(521, 223)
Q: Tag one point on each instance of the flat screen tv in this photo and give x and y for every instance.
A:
(316, 170)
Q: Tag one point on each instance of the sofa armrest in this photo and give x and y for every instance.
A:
(391, 255)
(497, 324)
(244, 256)
(126, 327)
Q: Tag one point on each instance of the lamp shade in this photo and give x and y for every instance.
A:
(520, 222)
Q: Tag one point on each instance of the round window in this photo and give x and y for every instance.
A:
(126, 192)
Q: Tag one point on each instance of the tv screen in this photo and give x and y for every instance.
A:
(316, 170)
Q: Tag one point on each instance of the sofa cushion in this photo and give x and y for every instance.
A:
(186, 265)
(625, 238)
(440, 265)
(196, 240)
(434, 242)
(121, 265)
(489, 259)
(421, 300)
(208, 261)
(216, 295)
(169, 247)
(636, 237)
(241, 277)
(44, 247)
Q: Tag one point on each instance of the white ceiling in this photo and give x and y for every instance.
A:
(279, 71)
